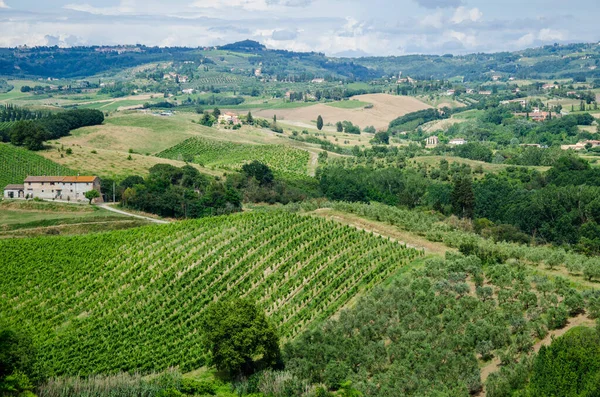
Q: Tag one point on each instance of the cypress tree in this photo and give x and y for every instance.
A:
(319, 123)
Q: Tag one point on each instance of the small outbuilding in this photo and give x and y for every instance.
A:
(14, 191)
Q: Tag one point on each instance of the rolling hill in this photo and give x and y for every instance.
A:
(132, 300)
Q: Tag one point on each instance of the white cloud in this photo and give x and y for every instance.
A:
(526, 40)
(250, 5)
(435, 20)
(465, 39)
(244, 4)
(463, 14)
(124, 7)
(550, 35)
(3, 4)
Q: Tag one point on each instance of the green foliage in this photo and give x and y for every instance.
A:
(91, 195)
(18, 364)
(17, 163)
(236, 333)
(462, 197)
(179, 193)
(319, 123)
(430, 314)
(301, 269)
(413, 120)
(261, 172)
(570, 366)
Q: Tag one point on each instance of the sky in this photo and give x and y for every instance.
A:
(333, 27)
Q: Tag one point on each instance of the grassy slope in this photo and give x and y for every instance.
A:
(31, 218)
(132, 300)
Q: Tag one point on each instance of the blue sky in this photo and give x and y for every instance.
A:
(335, 27)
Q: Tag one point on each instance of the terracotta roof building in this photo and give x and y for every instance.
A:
(68, 188)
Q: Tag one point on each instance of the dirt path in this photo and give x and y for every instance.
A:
(383, 229)
(109, 208)
(494, 365)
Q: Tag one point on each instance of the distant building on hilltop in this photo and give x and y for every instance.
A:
(457, 141)
(68, 188)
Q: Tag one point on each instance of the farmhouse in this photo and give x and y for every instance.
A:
(188, 91)
(457, 141)
(70, 188)
(228, 118)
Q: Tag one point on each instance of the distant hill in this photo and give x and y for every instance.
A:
(244, 46)
(548, 62)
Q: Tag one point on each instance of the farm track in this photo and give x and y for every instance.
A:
(112, 209)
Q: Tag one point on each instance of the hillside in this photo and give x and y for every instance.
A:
(132, 300)
(234, 155)
(380, 110)
(16, 164)
(557, 61)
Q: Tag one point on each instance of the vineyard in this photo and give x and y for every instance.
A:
(16, 164)
(229, 155)
(5, 125)
(132, 300)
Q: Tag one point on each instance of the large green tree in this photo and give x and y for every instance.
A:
(570, 366)
(239, 337)
(462, 197)
(17, 362)
(319, 123)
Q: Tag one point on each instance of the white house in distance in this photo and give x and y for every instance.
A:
(457, 141)
(69, 188)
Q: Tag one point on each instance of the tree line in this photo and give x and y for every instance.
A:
(33, 133)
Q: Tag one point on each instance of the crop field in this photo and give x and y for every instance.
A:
(385, 109)
(16, 164)
(6, 125)
(233, 155)
(132, 300)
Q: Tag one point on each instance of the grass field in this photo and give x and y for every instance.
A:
(20, 218)
(385, 109)
(145, 289)
(111, 163)
(349, 104)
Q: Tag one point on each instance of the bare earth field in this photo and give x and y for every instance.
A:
(385, 109)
